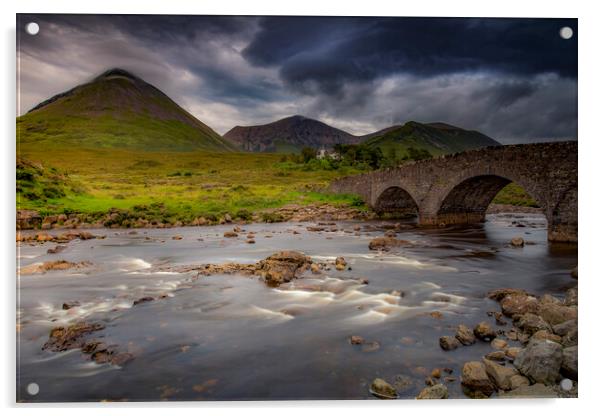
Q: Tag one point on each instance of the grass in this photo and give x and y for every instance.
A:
(175, 186)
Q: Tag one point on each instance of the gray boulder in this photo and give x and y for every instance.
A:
(569, 363)
(533, 391)
(540, 361)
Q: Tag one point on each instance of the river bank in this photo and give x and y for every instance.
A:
(32, 220)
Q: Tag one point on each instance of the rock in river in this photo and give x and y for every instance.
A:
(340, 263)
(484, 331)
(519, 304)
(531, 323)
(540, 361)
(66, 338)
(465, 335)
(438, 391)
(283, 267)
(52, 266)
(500, 374)
(475, 380)
(383, 390)
(449, 343)
(385, 243)
(556, 314)
(517, 242)
(499, 294)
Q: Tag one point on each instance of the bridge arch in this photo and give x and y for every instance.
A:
(467, 198)
(396, 200)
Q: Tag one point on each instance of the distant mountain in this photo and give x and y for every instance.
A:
(437, 138)
(117, 110)
(290, 134)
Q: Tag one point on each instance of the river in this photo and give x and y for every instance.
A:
(229, 337)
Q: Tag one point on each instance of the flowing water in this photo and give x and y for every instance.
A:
(229, 337)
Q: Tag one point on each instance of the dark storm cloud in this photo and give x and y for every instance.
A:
(327, 52)
(514, 79)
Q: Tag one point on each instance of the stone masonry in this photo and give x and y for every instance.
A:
(458, 188)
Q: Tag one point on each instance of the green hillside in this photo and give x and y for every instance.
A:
(116, 110)
(436, 138)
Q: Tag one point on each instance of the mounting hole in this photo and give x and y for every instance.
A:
(33, 389)
(566, 384)
(32, 28)
(566, 32)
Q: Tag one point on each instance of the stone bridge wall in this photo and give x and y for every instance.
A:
(456, 189)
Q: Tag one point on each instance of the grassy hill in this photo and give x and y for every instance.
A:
(116, 110)
(437, 138)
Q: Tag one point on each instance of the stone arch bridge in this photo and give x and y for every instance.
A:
(458, 188)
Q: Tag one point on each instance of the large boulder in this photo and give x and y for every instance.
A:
(531, 323)
(518, 304)
(555, 313)
(540, 361)
(569, 362)
(475, 380)
(499, 374)
(534, 391)
(438, 391)
(283, 267)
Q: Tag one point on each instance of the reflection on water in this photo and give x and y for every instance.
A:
(232, 337)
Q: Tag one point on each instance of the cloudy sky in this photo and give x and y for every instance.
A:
(513, 79)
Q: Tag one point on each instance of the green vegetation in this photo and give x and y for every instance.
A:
(514, 194)
(39, 185)
(435, 138)
(117, 110)
(346, 157)
(172, 186)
